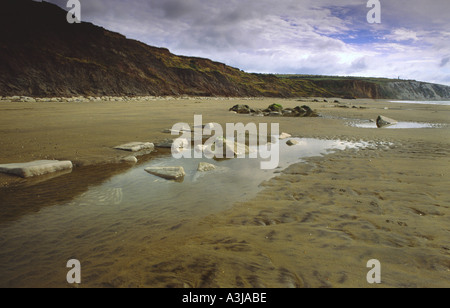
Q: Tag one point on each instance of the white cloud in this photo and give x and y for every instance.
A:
(291, 36)
(402, 34)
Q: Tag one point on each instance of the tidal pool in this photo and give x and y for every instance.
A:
(74, 216)
(399, 125)
(445, 103)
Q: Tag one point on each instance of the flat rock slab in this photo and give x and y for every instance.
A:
(169, 173)
(36, 168)
(136, 146)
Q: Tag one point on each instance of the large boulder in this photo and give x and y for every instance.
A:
(243, 109)
(383, 121)
(304, 111)
(276, 108)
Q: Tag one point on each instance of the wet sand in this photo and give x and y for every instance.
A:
(314, 225)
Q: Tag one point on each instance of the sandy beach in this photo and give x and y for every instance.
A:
(315, 224)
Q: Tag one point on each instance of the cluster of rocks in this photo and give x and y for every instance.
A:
(76, 99)
(175, 173)
(275, 110)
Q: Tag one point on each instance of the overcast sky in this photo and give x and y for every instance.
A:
(326, 37)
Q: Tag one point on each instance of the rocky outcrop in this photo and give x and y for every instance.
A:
(376, 88)
(276, 110)
(241, 109)
(414, 90)
(43, 55)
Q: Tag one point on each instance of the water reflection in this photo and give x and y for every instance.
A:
(115, 215)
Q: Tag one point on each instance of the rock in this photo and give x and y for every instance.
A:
(275, 114)
(136, 146)
(228, 149)
(129, 159)
(285, 136)
(309, 112)
(36, 168)
(241, 109)
(27, 99)
(304, 111)
(276, 110)
(258, 113)
(169, 173)
(383, 121)
(167, 143)
(292, 142)
(275, 107)
(179, 145)
(177, 131)
(203, 167)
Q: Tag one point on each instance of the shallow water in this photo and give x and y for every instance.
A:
(399, 125)
(446, 103)
(106, 221)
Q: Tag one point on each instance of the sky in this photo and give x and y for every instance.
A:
(321, 37)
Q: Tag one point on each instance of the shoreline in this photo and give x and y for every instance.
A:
(49, 142)
(315, 224)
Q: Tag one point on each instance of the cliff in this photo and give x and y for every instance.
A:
(43, 55)
(375, 88)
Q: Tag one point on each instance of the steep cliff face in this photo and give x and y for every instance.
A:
(43, 55)
(377, 88)
(350, 88)
(414, 90)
